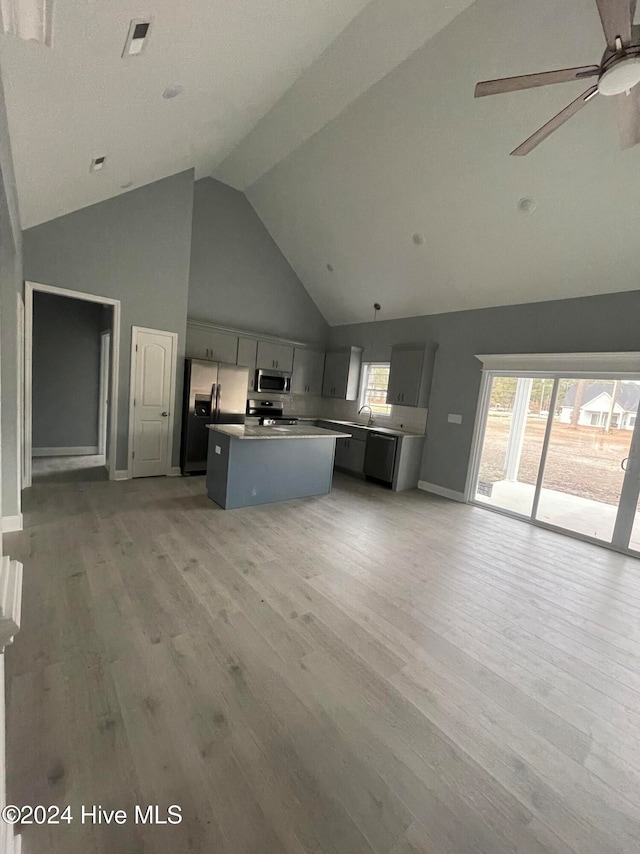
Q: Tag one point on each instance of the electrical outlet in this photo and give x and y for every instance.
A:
(454, 419)
(218, 449)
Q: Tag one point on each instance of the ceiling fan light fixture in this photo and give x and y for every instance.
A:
(620, 77)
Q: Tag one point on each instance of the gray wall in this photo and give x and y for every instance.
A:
(590, 324)
(10, 287)
(66, 371)
(135, 248)
(238, 275)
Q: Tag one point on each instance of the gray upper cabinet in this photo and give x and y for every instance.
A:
(410, 374)
(308, 370)
(405, 375)
(209, 343)
(342, 373)
(247, 348)
(273, 355)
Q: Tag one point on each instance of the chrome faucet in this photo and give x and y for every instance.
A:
(366, 406)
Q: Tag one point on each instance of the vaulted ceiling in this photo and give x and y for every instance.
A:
(417, 155)
(353, 130)
(80, 99)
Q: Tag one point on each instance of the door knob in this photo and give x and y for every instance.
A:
(164, 414)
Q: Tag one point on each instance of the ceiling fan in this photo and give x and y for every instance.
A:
(618, 75)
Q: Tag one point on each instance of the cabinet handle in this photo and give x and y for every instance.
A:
(403, 395)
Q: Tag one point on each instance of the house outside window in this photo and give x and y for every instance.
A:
(373, 387)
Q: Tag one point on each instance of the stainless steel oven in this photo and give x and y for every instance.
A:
(278, 382)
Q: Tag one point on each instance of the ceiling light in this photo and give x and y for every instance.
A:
(137, 36)
(620, 77)
(97, 164)
(30, 20)
(526, 205)
(173, 91)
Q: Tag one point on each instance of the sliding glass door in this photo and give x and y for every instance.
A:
(562, 452)
(587, 455)
(512, 447)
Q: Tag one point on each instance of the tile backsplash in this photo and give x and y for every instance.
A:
(410, 418)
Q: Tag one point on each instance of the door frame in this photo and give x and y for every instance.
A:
(572, 366)
(37, 287)
(172, 394)
(103, 403)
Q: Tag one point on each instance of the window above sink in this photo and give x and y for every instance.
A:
(374, 382)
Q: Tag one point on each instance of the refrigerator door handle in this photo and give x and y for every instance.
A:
(218, 403)
(212, 403)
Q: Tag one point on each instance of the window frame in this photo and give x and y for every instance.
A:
(364, 387)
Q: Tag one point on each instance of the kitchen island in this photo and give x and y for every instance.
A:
(249, 465)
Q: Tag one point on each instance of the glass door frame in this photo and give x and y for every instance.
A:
(630, 492)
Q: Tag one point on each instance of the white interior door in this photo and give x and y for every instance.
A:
(153, 370)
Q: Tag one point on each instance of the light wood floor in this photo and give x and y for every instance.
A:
(366, 672)
(89, 467)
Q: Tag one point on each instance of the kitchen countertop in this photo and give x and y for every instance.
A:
(373, 427)
(287, 431)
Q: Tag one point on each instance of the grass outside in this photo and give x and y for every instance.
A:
(583, 461)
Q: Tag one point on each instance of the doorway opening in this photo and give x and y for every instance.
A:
(70, 385)
(562, 451)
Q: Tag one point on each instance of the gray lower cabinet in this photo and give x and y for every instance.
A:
(247, 348)
(204, 343)
(342, 373)
(270, 354)
(350, 455)
(308, 370)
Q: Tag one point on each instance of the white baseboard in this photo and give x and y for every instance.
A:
(122, 474)
(441, 490)
(174, 471)
(11, 523)
(79, 451)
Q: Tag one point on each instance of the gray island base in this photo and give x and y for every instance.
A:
(249, 465)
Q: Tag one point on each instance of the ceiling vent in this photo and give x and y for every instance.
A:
(97, 164)
(30, 20)
(138, 36)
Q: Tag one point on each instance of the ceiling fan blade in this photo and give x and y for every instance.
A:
(628, 108)
(563, 116)
(616, 17)
(531, 81)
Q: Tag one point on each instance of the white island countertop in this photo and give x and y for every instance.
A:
(286, 431)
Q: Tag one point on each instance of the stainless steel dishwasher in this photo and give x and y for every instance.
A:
(380, 457)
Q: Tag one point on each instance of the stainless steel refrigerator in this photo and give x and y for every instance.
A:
(214, 393)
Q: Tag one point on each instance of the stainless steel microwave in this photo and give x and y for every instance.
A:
(273, 381)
